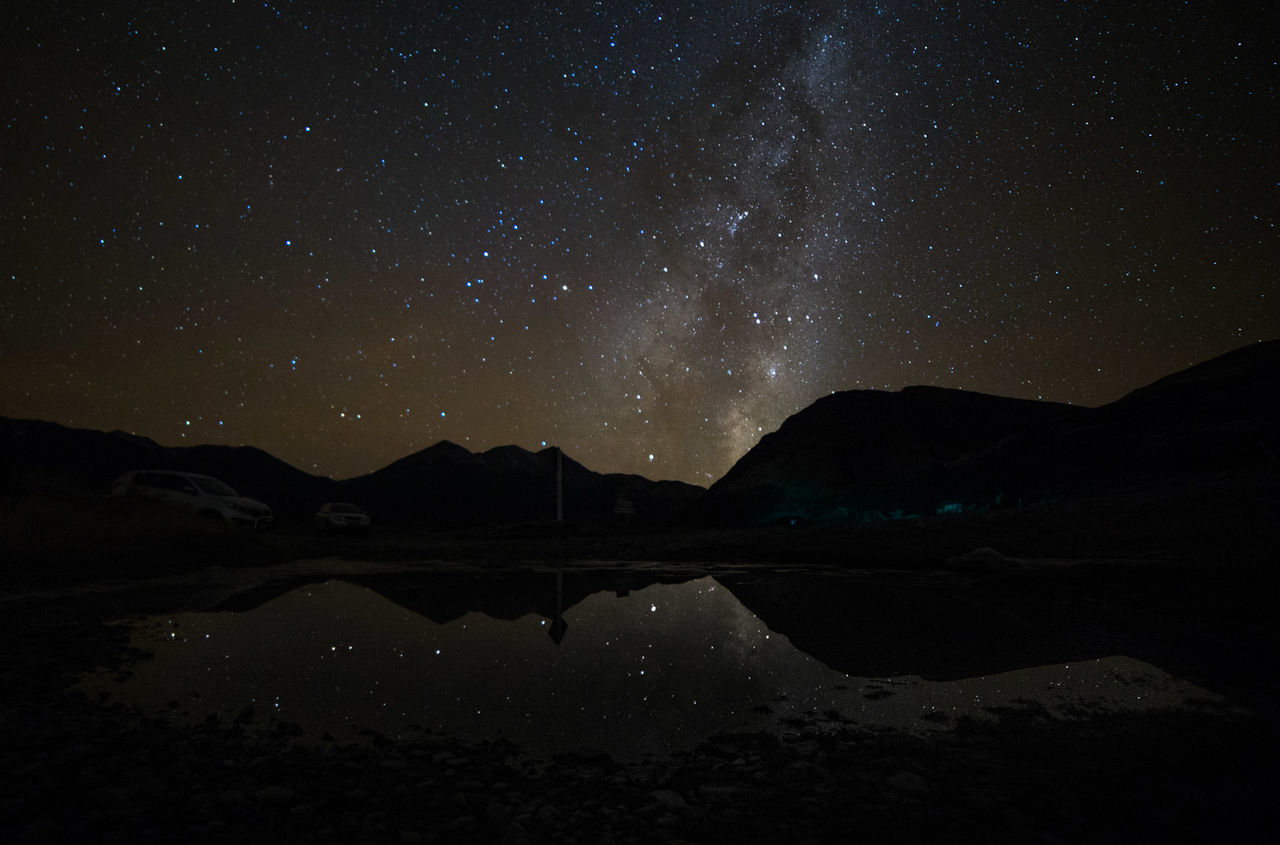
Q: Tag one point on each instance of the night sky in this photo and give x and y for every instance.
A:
(645, 232)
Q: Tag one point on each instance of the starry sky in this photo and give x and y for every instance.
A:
(645, 232)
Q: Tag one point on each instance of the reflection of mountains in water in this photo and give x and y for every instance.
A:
(938, 628)
(443, 597)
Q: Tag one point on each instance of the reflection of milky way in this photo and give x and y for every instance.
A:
(343, 235)
(654, 672)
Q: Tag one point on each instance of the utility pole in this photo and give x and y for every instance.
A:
(559, 486)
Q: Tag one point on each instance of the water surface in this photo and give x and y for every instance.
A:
(629, 671)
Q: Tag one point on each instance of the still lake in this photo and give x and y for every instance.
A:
(620, 662)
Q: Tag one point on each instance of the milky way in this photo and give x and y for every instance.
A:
(645, 233)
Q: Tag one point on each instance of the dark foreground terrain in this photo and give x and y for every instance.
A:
(1184, 583)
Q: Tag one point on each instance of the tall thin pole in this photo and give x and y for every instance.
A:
(559, 486)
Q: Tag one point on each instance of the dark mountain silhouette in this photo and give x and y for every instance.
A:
(1219, 416)
(38, 456)
(866, 455)
(446, 484)
(870, 455)
(851, 456)
(443, 485)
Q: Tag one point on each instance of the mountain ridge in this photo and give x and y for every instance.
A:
(867, 455)
(850, 456)
(442, 485)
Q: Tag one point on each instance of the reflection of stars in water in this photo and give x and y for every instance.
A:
(746, 636)
(336, 666)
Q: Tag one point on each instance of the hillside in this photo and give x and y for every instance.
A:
(871, 455)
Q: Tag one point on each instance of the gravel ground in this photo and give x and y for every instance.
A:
(76, 771)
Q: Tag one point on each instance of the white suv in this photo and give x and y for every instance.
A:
(202, 494)
(334, 517)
